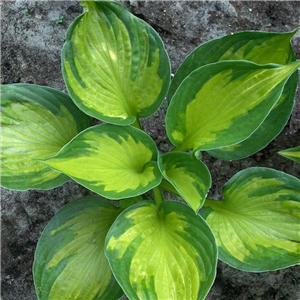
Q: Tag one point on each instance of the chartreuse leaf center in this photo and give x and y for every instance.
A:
(116, 162)
(36, 122)
(292, 153)
(223, 103)
(257, 224)
(165, 253)
(189, 176)
(121, 70)
(255, 46)
(69, 260)
(116, 69)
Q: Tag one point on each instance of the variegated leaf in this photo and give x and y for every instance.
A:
(162, 253)
(292, 153)
(115, 66)
(268, 130)
(255, 46)
(69, 260)
(36, 122)
(222, 104)
(188, 175)
(113, 161)
(257, 225)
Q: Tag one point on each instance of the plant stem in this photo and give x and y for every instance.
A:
(137, 124)
(175, 149)
(179, 149)
(157, 196)
(212, 203)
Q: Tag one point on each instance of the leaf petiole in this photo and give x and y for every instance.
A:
(157, 196)
(137, 123)
(213, 203)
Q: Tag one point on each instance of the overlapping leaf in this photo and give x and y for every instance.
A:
(114, 64)
(69, 261)
(260, 48)
(257, 224)
(115, 162)
(222, 104)
(188, 175)
(162, 253)
(255, 46)
(292, 153)
(36, 122)
(267, 131)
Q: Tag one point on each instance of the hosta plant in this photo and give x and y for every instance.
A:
(230, 97)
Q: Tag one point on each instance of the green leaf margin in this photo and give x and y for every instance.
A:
(57, 261)
(279, 197)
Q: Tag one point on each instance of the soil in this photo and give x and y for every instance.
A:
(31, 47)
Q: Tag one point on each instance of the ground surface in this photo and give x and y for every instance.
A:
(31, 54)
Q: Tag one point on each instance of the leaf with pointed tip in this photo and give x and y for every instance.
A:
(162, 253)
(255, 46)
(188, 175)
(267, 131)
(115, 66)
(292, 153)
(257, 224)
(222, 104)
(36, 122)
(113, 161)
(69, 261)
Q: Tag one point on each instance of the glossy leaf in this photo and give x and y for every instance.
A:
(267, 131)
(69, 261)
(115, 66)
(257, 224)
(36, 122)
(260, 48)
(255, 46)
(222, 104)
(292, 153)
(162, 253)
(115, 162)
(189, 176)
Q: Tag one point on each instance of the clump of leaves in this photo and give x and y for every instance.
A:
(59, 20)
(27, 14)
(230, 97)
